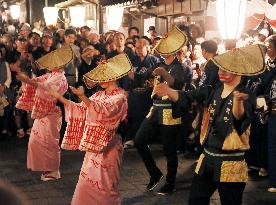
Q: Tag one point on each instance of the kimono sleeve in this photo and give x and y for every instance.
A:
(108, 111)
(75, 116)
(26, 100)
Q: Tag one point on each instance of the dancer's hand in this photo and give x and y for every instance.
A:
(159, 71)
(77, 91)
(239, 96)
(161, 89)
(22, 77)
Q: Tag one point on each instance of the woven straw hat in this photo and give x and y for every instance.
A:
(110, 70)
(248, 60)
(57, 58)
(172, 42)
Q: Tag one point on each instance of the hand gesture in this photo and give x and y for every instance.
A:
(77, 91)
(239, 96)
(131, 75)
(159, 71)
(161, 89)
(22, 77)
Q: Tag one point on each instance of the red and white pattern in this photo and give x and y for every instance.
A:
(43, 147)
(90, 129)
(93, 129)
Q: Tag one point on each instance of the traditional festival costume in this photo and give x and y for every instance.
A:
(223, 137)
(159, 125)
(43, 147)
(93, 129)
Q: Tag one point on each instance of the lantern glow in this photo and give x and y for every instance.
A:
(77, 16)
(114, 16)
(15, 11)
(231, 17)
(50, 15)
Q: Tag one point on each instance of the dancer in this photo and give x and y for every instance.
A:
(43, 147)
(228, 111)
(92, 128)
(159, 123)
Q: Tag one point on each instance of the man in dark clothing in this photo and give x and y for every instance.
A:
(139, 100)
(228, 112)
(120, 40)
(159, 123)
(210, 71)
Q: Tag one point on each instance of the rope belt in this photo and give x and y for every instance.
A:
(224, 155)
(162, 105)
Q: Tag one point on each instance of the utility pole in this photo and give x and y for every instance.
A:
(46, 3)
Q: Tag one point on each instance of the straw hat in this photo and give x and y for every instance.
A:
(57, 58)
(172, 42)
(248, 60)
(110, 70)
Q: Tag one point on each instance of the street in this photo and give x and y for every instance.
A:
(132, 185)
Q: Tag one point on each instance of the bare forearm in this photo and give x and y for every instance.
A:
(63, 100)
(173, 95)
(238, 109)
(29, 81)
(85, 99)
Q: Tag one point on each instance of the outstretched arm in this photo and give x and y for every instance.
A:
(80, 93)
(59, 97)
(25, 79)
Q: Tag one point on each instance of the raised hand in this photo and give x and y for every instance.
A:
(161, 89)
(159, 71)
(77, 91)
(239, 96)
(22, 77)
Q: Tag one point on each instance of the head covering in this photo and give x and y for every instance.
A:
(26, 27)
(57, 58)
(110, 70)
(172, 42)
(48, 34)
(248, 60)
(151, 28)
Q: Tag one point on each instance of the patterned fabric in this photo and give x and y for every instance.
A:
(26, 100)
(91, 128)
(43, 147)
(36, 99)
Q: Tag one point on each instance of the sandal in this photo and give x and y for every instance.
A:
(48, 175)
(20, 133)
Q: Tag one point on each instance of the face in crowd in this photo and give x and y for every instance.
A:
(271, 49)
(21, 43)
(141, 48)
(47, 40)
(119, 40)
(34, 40)
(70, 39)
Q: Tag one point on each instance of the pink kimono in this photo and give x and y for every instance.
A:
(93, 129)
(43, 148)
